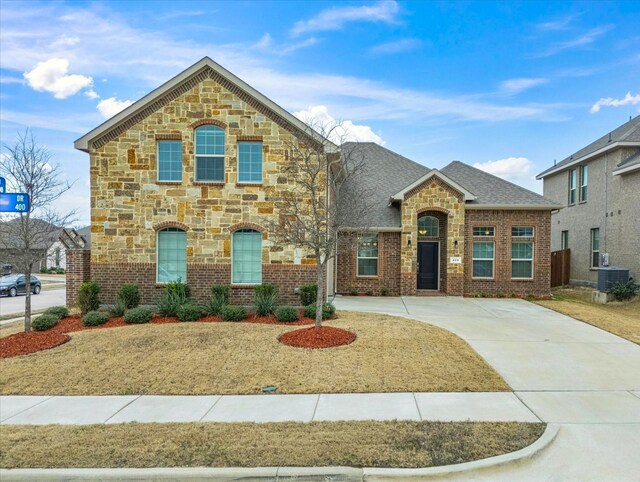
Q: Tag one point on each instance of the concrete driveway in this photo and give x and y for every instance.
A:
(563, 370)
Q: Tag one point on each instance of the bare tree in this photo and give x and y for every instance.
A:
(325, 196)
(27, 168)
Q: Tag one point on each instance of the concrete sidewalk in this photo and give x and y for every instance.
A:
(83, 410)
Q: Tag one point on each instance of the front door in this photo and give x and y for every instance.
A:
(428, 266)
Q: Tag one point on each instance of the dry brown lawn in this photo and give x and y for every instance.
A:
(621, 318)
(11, 328)
(356, 444)
(390, 354)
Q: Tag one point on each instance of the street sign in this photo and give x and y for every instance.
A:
(15, 202)
(3, 185)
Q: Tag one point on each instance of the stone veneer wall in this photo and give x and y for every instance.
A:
(433, 195)
(129, 204)
(388, 268)
(502, 282)
(78, 271)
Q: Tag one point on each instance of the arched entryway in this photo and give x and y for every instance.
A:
(431, 252)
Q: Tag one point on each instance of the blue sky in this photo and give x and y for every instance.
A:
(506, 86)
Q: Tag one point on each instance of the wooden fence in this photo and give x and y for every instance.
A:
(560, 267)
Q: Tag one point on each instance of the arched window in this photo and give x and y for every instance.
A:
(172, 255)
(209, 153)
(428, 226)
(246, 257)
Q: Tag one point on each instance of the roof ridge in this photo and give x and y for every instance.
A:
(390, 151)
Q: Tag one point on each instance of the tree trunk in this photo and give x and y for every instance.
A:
(320, 295)
(27, 302)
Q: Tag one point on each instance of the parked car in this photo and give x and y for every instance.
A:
(14, 284)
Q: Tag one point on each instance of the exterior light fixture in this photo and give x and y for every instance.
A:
(455, 243)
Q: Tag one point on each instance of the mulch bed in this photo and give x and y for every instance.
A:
(323, 337)
(25, 343)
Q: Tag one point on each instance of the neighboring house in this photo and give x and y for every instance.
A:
(183, 180)
(43, 237)
(600, 185)
(56, 256)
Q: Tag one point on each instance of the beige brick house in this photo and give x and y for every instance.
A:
(183, 179)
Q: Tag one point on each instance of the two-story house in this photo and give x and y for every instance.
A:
(600, 187)
(183, 180)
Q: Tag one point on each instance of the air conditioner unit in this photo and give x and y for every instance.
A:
(609, 275)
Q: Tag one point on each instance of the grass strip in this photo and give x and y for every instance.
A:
(355, 444)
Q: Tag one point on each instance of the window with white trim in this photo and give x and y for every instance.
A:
(250, 162)
(595, 248)
(584, 174)
(171, 255)
(564, 240)
(209, 141)
(522, 252)
(482, 231)
(572, 186)
(428, 227)
(169, 160)
(483, 259)
(368, 255)
(246, 257)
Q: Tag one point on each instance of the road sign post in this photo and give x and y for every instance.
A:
(3, 185)
(15, 202)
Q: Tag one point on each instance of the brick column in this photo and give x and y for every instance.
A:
(78, 271)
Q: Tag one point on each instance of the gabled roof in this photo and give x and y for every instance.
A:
(204, 66)
(628, 134)
(467, 196)
(494, 192)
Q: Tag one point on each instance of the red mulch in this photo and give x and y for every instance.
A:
(25, 343)
(323, 337)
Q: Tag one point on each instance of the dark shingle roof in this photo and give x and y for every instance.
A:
(388, 173)
(490, 189)
(627, 132)
(631, 160)
(86, 232)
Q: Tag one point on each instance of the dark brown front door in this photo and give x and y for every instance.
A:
(428, 266)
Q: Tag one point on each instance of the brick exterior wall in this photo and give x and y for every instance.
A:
(78, 271)
(200, 276)
(388, 268)
(502, 282)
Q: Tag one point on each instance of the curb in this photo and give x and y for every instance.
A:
(284, 473)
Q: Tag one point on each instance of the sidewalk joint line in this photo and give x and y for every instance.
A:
(405, 305)
(417, 406)
(634, 394)
(29, 408)
(121, 409)
(211, 407)
(315, 408)
(528, 407)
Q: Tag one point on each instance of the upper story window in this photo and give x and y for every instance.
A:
(595, 247)
(428, 226)
(246, 257)
(583, 183)
(172, 255)
(484, 231)
(572, 186)
(250, 162)
(368, 255)
(169, 161)
(209, 153)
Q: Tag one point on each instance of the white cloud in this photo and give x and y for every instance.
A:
(51, 76)
(611, 102)
(557, 24)
(65, 41)
(585, 39)
(339, 131)
(92, 94)
(335, 18)
(11, 80)
(111, 106)
(397, 46)
(515, 86)
(513, 169)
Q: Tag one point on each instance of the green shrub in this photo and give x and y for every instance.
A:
(265, 298)
(219, 298)
(182, 290)
(287, 314)
(189, 312)
(88, 297)
(384, 292)
(327, 310)
(175, 295)
(58, 311)
(95, 318)
(369, 292)
(138, 315)
(44, 322)
(308, 294)
(220, 292)
(233, 313)
(118, 309)
(129, 294)
(622, 291)
(354, 292)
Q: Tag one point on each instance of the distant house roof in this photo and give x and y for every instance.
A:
(628, 134)
(86, 233)
(43, 234)
(388, 174)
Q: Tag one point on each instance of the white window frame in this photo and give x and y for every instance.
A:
(573, 187)
(240, 143)
(245, 283)
(533, 254)
(377, 257)
(584, 179)
(158, 253)
(209, 156)
(564, 239)
(158, 161)
(485, 229)
(593, 251)
(493, 260)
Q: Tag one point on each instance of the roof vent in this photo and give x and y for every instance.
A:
(609, 137)
(554, 162)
